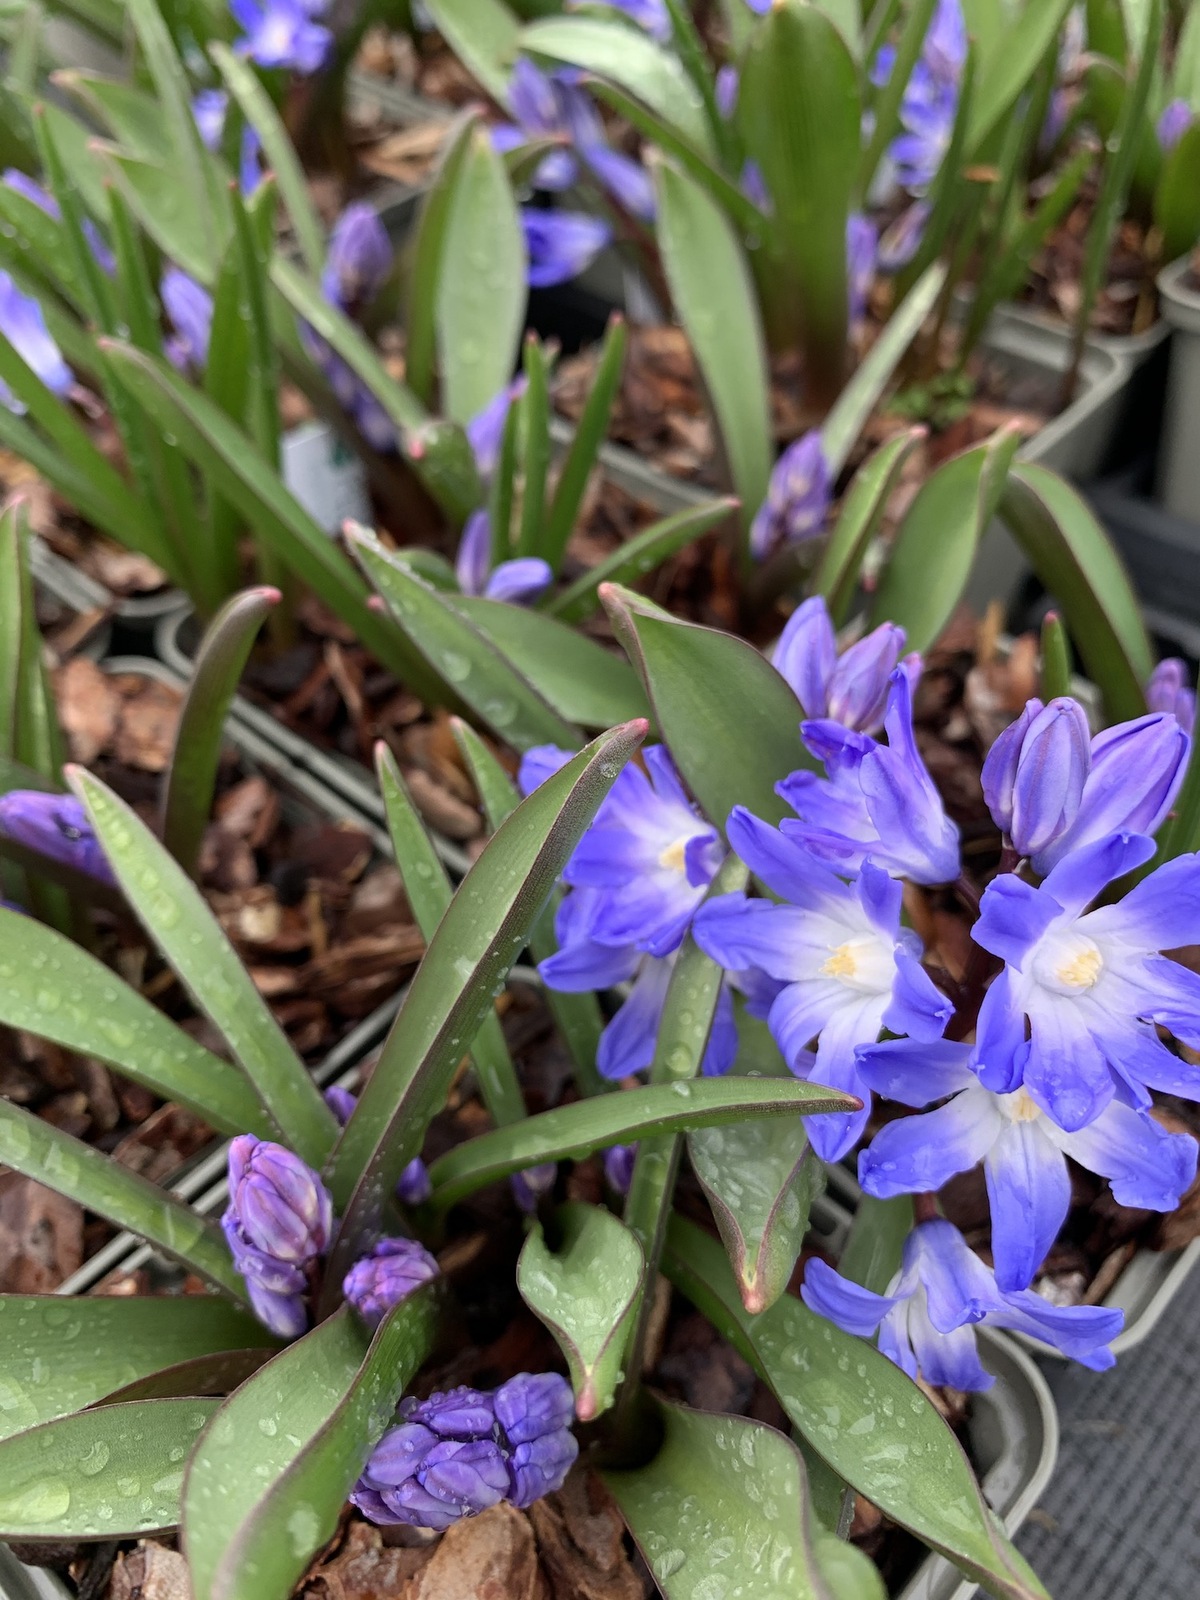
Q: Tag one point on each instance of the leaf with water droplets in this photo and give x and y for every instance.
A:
(861, 1414)
(268, 1480)
(586, 1292)
(58, 1355)
(179, 920)
(108, 1473)
(484, 928)
(474, 670)
(722, 1513)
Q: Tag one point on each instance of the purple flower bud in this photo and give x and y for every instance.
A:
(529, 1186)
(797, 497)
(190, 309)
(650, 15)
(1173, 124)
(519, 582)
(359, 259)
(485, 431)
(862, 239)
(458, 1453)
(277, 1205)
(341, 1102)
(900, 240)
(618, 1166)
(388, 1275)
(24, 326)
(413, 1186)
(281, 33)
(56, 826)
(626, 180)
(534, 103)
(727, 86)
(1169, 690)
(1034, 774)
(561, 244)
(852, 689)
(754, 186)
(209, 109)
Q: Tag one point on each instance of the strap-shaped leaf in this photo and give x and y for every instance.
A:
(934, 550)
(74, 1169)
(52, 988)
(481, 285)
(131, 115)
(724, 1508)
(195, 175)
(268, 1480)
(875, 1243)
(484, 35)
(806, 142)
(471, 668)
(192, 774)
(1008, 68)
(727, 717)
(715, 299)
(587, 685)
(1075, 559)
(859, 520)
(110, 1473)
(586, 1292)
(428, 253)
(1177, 195)
(820, 1374)
(639, 556)
(632, 60)
(429, 890)
(178, 919)
(760, 1178)
(477, 940)
(586, 1125)
(590, 433)
(163, 207)
(59, 1355)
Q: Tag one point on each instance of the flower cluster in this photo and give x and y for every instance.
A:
(458, 1453)
(278, 1222)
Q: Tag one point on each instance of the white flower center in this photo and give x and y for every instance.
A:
(674, 857)
(1069, 964)
(1020, 1107)
(865, 963)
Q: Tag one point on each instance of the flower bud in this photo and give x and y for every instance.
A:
(24, 326)
(413, 1187)
(1169, 690)
(1173, 124)
(561, 244)
(359, 259)
(529, 1186)
(862, 240)
(280, 1205)
(1137, 768)
(798, 497)
(57, 827)
(341, 1102)
(1034, 775)
(618, 1166)
(190, 309)
(388, 1275)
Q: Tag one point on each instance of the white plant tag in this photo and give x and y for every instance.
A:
(325, 476)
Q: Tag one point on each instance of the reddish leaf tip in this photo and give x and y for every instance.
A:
(375, 603)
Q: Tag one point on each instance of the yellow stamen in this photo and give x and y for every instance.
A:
(1022, 1108)
(1082, 971)
(843, 963)
(674, 857)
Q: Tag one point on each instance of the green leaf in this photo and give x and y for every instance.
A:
(256, 106)
(164, 207)
(1177, 196)
(834, 1389)
(729, 720)
(859, 520)
(192, 774)
(178, 919)
(108, 1473)
(484, 35)
(1007, 69)
(587, 685)
(807, 146)
(1075, 559)
(639, 556)
(1054, 675)
(428, 254)
(586, 1125)
(484, 927)
(875, 1242)
(590, 433)
(481, 286)
(41, 1151)
(188, 160)
(722, 1508)
(714, 296)
(535, 463)
(471, 668)
(52, 988)
(586, 1292)
(632, 60)
(848, 417)
(59, 1355)
(427, 885)
(129, 114)
(268, 1480)
(760, 1178)
(934, 550)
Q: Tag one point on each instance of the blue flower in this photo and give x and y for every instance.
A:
(798, 496)
(1169, 690)
(930, 102)
(878, 801)
(519, 581)
(282, 33)
(862, 240)
(651, 16)
(24, 326)
(926, 1319)
(1072, 1016)
(358, 260)
(190, 308)
(209, 108)
(1042, 778)
(901, 239)
(851, 688)
(57, 827)
(485, 431)
(1023, 1150)
(846, 967)
(561, 244)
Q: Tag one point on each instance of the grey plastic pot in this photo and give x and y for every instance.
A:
(140, 614)
(1012, 1429)
(58, 579)
(1179, 457)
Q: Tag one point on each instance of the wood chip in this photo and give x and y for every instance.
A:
(581, 1541)
(489, 1557)
(89, 708)
(151, 1572)
(41, 1236)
